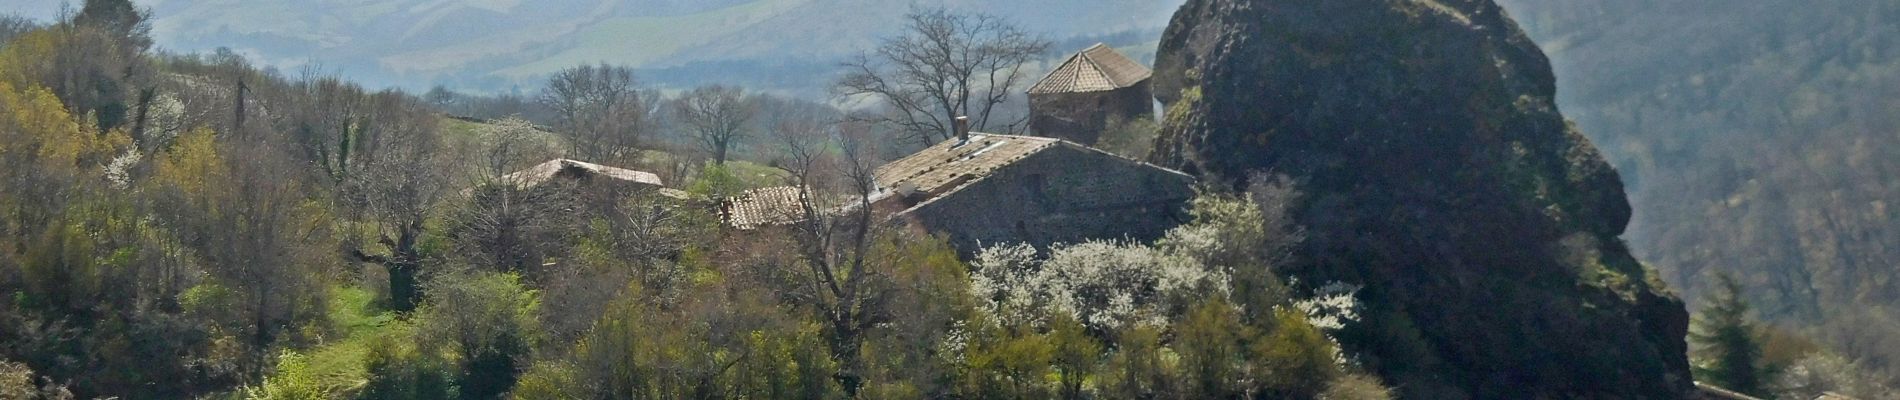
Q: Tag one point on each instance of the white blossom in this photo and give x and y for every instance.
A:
(1102, 284)
(119, 171)
(1332, 306)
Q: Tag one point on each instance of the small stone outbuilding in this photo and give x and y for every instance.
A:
(987, 189)
(1079, 98)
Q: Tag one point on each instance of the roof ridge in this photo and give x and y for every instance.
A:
(1045, 81)
(1097, 67)
(1120, 157)
(1011, 135)
(1053, 141)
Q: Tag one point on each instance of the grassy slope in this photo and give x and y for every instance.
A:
(339, 362)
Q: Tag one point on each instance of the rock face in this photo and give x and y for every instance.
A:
(1438, 173)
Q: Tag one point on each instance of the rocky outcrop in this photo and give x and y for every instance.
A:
(1438, 173)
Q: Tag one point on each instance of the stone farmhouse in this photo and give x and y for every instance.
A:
(1078, 99)
(982, 189)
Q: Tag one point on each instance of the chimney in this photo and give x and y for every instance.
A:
(963, 129)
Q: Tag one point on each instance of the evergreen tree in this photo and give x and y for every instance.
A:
(1729, 351)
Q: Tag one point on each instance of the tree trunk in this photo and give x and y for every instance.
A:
(237, 122)
(847, 348)
(138, 120)
(403, 287)
(260, 332)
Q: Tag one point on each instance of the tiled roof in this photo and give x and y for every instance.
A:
(764, 206)
(538, 174)
(920, 177)
(1096, 69)
(946, 165)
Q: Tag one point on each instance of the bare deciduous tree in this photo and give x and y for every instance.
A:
(637, 244)
(325, 119)
(403, 175)
(599, 109)
(838, 274)
(945, 65)
(505, 224)
(717, 117)
(514, 143)
(98, 63)
(241, 207)
(14, 25)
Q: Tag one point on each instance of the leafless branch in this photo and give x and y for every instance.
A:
(945, 65)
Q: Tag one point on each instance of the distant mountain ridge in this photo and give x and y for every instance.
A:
(499, 43)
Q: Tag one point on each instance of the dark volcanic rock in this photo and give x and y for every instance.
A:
(1439, 174)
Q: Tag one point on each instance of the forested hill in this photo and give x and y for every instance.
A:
(499, 44)
(1758, 138)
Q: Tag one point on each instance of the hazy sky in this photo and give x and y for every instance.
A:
(493, 45)
(43, 10)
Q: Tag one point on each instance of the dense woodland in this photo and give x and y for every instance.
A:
(190, 225)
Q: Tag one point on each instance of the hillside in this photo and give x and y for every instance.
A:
(202, 226)
(1462, 199)
(1438, 173)
(1758, 139)
(498, 44)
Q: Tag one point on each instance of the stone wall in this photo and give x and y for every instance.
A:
(1065, 194)
(1081, 117)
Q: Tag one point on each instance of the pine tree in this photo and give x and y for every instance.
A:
(1729, 350)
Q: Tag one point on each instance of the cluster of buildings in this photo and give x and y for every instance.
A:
(982, 189)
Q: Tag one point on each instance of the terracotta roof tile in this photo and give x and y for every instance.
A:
(1096, 69)
(946, 165)
(764, 206)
